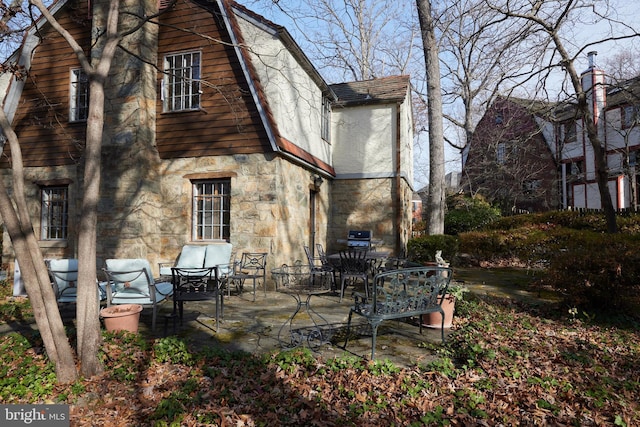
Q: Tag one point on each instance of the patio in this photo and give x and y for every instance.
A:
(253, 327)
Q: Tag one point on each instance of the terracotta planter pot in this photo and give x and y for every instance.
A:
(434, 320)
(125, 317)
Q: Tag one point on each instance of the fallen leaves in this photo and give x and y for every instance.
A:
(503, 365)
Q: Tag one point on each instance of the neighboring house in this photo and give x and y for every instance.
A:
(229, 137)
(496, 164)
(416, 202)
(452, 181)
(509, 160)
(615, 108)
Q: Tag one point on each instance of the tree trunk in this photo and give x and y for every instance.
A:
(89, 335)
(36, 278)
(436, 198)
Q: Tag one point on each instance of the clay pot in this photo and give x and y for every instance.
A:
(125, 317)
(434, 320)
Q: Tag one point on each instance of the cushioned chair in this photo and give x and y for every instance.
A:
(202, 256)
(130, 281)
(191, 256)
(219, 255)
(64, 278)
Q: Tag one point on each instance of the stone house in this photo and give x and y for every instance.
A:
(217, 128)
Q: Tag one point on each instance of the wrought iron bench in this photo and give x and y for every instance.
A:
(402, 293)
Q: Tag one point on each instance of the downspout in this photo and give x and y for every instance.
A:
(398, 183)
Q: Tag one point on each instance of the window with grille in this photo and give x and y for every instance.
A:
(79, 96)
(211, 209)
(55, 204)
(181, 82)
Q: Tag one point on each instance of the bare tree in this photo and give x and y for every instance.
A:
(623, 65)
(549, 20)
(17, 220)
(350, 39)
(20, 227)
(481, 52)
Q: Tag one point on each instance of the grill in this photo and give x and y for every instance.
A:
(359, 239)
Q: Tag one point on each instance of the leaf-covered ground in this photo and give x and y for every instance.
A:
(505, 364)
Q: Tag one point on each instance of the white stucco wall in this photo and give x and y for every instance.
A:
(294, 98)
(366, 136)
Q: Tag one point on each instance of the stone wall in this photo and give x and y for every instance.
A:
(269, 205)
(362, 204)
(128, 223)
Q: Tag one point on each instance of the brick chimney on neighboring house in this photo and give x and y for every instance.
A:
(593, 83)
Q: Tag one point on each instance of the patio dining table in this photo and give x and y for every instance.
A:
(300, 282)
(376, 260)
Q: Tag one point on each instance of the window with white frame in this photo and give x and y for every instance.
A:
(211, 209)
(181, 82)
(78, 96)
(325, 126)
(55, 205)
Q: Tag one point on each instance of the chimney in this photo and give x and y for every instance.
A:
(592, 59)
(593, 83)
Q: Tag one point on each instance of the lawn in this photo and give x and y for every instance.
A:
(506, 363)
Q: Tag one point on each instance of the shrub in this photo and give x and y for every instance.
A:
(423, 249)
(468, 213)
(596, 271)
(530, 245)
